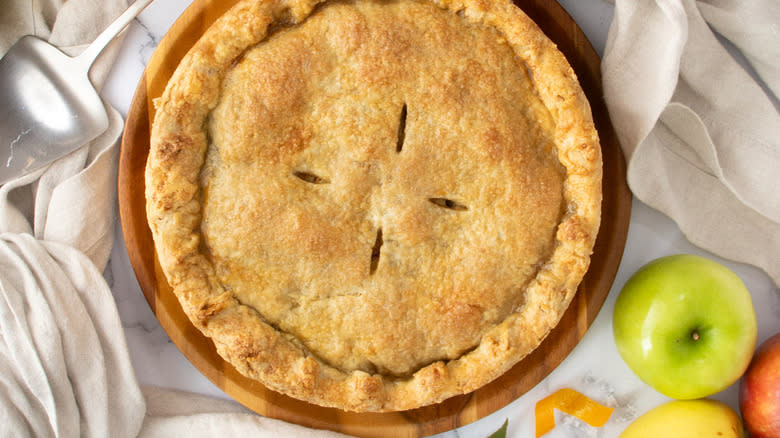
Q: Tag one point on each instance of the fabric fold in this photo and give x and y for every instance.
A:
(700, 131)
(64, 368)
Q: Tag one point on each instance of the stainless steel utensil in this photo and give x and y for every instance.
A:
(48, 106)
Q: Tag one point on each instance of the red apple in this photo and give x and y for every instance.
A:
(759, 392)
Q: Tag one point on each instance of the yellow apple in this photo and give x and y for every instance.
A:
(702, 418)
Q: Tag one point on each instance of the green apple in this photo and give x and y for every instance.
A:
(685, 325)
(687, 419)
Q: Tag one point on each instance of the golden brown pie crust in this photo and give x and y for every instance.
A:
(374, 205)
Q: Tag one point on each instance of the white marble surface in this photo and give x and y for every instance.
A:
(594, 366)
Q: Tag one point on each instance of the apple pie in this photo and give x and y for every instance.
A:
(374, 205)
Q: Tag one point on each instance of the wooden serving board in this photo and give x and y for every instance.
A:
(444, 416)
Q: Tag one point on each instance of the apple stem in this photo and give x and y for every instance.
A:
(695, 335)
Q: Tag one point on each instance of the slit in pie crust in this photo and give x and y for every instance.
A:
(374, 205)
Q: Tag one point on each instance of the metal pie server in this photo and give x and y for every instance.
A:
(48, 106)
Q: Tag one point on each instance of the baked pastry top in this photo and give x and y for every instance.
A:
(374, 205)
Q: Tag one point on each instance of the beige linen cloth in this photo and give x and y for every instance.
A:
(700, 128)
(64, 366)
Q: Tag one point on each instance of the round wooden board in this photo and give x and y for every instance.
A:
(444, 416)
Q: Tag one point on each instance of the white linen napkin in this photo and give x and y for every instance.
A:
(65, 369)
(700, 127)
